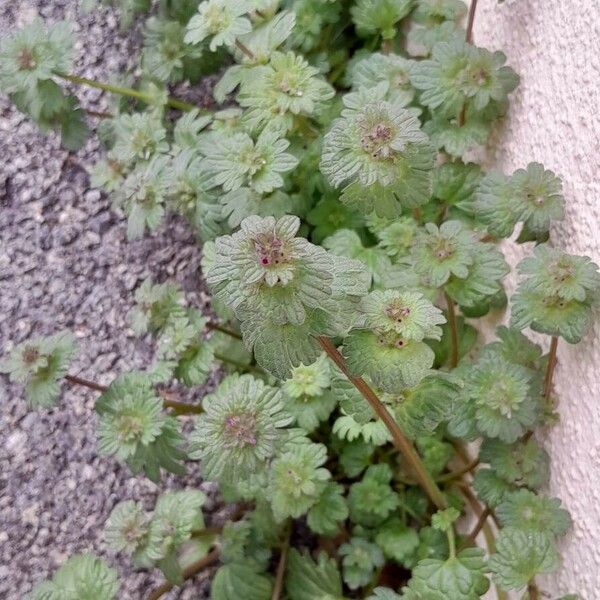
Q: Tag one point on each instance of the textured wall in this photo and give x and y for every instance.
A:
(555, 119)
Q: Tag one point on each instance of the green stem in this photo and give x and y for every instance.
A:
(190, 571)
(238, 364)
(401, 442)
(453, 331)
(124, 91)
(451, 541)
(551, 365)
(282, 564)
(223, 329)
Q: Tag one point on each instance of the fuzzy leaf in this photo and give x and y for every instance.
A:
(310, 580)
(521, 555)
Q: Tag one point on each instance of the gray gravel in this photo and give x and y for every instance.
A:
(65, 263)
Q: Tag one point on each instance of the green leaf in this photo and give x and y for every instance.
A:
(297, 479)
(360, 559)
(441, 252)
(239, 430)
(379, 153)
(372, 500)
(82, 576)
(220, 20)
(521, 463)
(389, 361)
(521, 555)
(527, 511)
(398, 541)
(460, 578)
(379, 16)
(40, 364)
(330, 509)
(310, 580)
(239, 580)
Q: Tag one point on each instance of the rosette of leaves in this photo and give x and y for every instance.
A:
(377, 151)
(557, 295)
(532, 196)
(523, 463)
(284, 290)
(133, 427)
(421, 409)
(286, 87)
(499, 399)
(450, 255)
(240, 429)
(440, 252)
(405, 313)
(177, 515)
(194, 196)
(30, 60)
(138, 136)
(390, 361)
(527, 511)
(297, 479)
(379, 17)
(459, 74)
(360, 559)
(157, 304)
(372, 500)
(398, 237)
(236, 160)
(308, 397)
(40, 364)
(391, 68)
(143, 195)
(221, 21)
(33, 55)
(127, 530)
(82, 576)
(165, 54)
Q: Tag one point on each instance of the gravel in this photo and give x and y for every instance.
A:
(65, 263)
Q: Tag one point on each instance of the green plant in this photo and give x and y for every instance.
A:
(346, 241)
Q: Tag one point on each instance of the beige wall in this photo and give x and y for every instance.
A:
(555, 119)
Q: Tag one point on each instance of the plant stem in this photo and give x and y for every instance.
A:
(223, 329)
(401, 442)
(550, 367)
(86, 383)
(238, 364)
(188, 572)
(470, 21)
(451, 542)
(533, 591)
(453, 331)
(470, 540)
(183, 408)
(459, 472)
(124, 91)
(179, 407)
(245, 50)
(281, 565)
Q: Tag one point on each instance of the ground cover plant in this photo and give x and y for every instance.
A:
(362, 433)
